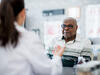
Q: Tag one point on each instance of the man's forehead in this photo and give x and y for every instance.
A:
(70, 21)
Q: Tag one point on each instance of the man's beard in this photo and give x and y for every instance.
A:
(69, 37)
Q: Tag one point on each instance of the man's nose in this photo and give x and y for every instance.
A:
(66, 28)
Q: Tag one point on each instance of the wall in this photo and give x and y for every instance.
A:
(35, 7)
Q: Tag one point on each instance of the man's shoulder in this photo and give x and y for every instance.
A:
(54, 40)
(57, 37)
(83, 40)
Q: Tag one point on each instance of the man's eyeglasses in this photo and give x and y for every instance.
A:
(69, 26)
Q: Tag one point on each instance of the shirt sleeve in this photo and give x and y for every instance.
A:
(87, 50)
(42, 65)
(18, 65)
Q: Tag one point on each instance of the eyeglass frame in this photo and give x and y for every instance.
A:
(69, 26)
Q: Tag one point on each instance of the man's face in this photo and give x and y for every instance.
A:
(69, 29)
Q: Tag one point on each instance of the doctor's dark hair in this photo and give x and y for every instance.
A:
(9, 10)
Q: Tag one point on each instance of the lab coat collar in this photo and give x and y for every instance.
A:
(18, 27)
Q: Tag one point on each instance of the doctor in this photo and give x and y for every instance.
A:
(21, 52)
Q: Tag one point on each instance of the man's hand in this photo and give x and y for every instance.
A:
(58, 50)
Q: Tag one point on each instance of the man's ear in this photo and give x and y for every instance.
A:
(76, 27)
(62, 31)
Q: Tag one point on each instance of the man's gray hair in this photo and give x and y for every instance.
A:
(72, 19)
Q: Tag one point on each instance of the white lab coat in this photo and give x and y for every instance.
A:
(28, 57)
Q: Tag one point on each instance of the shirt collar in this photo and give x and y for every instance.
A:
(18, 27)
(77, 39)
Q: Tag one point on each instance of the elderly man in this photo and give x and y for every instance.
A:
(76, 46)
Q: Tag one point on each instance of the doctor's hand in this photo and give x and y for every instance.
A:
(58, 50)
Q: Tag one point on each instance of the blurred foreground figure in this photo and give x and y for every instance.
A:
(21, 52)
